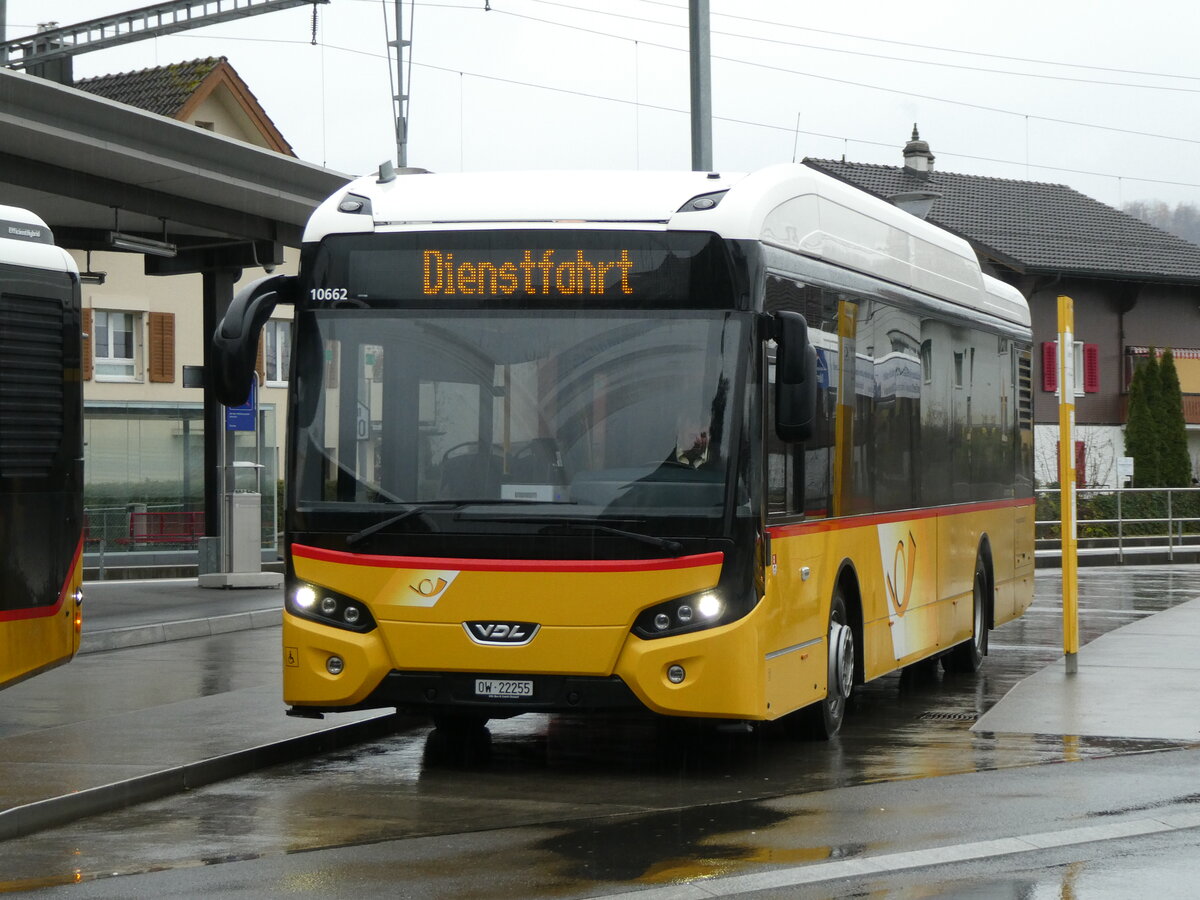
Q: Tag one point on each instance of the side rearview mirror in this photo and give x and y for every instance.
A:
(795, 378)
(235, 342)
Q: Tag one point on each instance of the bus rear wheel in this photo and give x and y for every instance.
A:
(824, 718)
(968, 656)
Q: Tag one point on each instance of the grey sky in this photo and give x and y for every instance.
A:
(844, 74)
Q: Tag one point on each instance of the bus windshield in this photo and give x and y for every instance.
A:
(586, 414)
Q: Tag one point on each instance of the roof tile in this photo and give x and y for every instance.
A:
(163, 89)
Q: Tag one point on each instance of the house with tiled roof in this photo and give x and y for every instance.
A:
(1134, 287)
(143, 421)
(207, 93)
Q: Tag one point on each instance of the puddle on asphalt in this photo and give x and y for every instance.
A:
(627, 799)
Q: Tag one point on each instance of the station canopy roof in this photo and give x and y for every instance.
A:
(89, 166)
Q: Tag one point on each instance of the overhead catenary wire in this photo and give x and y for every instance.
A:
(918, 46)
(789, 129)
(889, 90)
(900, 59)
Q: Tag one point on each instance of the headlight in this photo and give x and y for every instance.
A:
(311, 601)
(683, 614)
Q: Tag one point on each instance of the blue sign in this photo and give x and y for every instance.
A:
(822, 369)
(244, 417)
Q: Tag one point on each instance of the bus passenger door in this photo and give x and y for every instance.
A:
(795, 581)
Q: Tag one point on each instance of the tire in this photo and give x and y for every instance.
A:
(968, 656)
(823, 719)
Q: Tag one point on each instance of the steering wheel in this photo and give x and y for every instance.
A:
(477, 445)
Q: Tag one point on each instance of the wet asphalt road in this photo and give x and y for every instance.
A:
(583, 807)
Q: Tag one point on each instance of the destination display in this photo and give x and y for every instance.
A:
(532, 271)
(525, 268)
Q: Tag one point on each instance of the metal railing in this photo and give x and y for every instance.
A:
(1124, 519)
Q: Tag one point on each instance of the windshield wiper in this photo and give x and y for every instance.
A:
(671, 546)
(417, 509)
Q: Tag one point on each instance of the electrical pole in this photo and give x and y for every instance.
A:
(701, 78)
(401, 98)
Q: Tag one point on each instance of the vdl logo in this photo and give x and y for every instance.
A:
(504, 634)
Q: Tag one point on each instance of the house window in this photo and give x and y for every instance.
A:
(115, 345)
(277, 346)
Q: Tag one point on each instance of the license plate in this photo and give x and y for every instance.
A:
(494, 687)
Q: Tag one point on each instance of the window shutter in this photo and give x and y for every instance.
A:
(86, 327)
(1091, 368)
(162, 347)
(1049, 366)
(1080, 465)
(260, 361)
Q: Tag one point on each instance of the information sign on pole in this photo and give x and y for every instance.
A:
(1066, 481)
(244, 417)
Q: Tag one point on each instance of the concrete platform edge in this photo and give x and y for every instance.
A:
(52, 812)
(141, 635)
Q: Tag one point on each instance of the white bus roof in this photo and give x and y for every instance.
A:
(25, 240)
(788, 206)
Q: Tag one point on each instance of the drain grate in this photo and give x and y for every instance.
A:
(949, 716)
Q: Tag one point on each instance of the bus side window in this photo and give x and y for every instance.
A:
(784, 480)
(798, 475)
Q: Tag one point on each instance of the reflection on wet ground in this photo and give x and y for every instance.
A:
(665, 794)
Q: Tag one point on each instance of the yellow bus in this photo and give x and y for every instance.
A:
(41, 450)
(716, 446)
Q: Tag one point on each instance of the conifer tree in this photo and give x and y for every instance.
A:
(1175, 464)
(1142, 439)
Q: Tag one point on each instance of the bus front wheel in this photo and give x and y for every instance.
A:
(968, 656)
(824, 718)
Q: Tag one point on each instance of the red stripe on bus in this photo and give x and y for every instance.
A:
(42, 612)
(508, 565)
(818, 525)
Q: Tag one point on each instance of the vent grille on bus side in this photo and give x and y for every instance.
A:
(31, 384)
(1024, 390)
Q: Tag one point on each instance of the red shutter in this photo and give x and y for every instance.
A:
(1080, 463)
(1091, 368)
(1049, 366)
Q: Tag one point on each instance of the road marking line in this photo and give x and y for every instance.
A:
(730, 885)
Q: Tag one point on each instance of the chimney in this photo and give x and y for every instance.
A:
(917, 157)
(918, 161)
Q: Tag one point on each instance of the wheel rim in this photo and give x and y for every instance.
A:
(841, 665)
